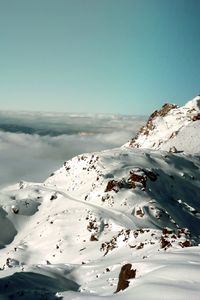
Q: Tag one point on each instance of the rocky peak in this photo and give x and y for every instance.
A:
(165, 109)
(164, 125)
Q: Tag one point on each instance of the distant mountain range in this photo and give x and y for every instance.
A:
(117, 224)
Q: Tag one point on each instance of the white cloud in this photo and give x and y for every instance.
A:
(33, 157)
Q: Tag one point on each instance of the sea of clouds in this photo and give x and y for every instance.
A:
(33, 145)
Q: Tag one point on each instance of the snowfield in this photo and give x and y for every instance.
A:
(118, 224)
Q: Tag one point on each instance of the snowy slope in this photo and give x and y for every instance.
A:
(69, 237)
(172, 126)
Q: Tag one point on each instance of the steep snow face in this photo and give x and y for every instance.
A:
(70, 236)
(172, 126)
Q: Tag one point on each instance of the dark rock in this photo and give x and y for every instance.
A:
(173, 150)
(125, 274)
(15, 210)
(185, 244)
(93, 238)
(137, 178)
(151, 175)
(196, 117)
(111, 185)
(166, 231)
(164, 243)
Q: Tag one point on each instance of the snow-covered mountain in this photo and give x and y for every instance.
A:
(122, 223)
(171, 126)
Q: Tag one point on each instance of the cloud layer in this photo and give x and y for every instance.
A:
(32, 145)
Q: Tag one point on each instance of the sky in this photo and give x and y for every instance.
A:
(98, 56)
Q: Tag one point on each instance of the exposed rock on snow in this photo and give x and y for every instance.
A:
(125, 274)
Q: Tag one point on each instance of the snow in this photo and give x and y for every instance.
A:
(194, 103)
(68, 237)
(188, 139)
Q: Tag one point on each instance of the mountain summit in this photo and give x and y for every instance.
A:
(171, 127)
(118, 224)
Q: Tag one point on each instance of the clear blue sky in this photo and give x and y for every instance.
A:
(113, 56)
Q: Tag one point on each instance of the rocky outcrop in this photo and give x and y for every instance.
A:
(171, 127)
(166, 108)
(125, 274)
